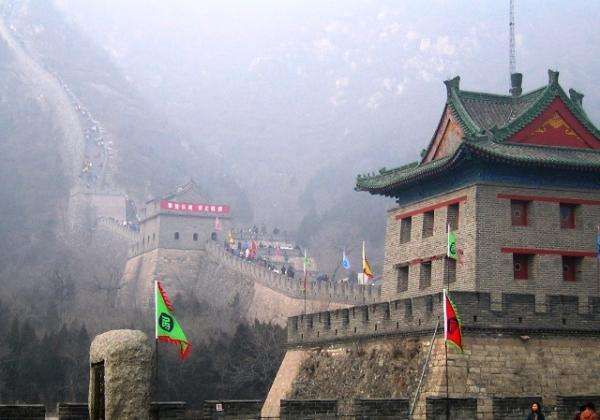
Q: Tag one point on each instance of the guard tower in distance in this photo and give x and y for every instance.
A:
(183, 219)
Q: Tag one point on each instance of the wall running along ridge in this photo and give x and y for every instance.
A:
(294, 288)
(262, 294)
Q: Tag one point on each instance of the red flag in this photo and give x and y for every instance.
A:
(452, 332)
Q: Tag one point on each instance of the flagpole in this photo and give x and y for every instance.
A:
(447, 284)
(598, 259)
(446, 358)
(304, 267)
(155, 341)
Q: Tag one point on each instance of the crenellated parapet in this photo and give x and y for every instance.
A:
(517, 313)
(117, 227)
(342, 293)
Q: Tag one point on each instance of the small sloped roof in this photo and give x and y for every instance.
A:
(180, 189)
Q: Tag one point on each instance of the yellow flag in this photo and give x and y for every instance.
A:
(366, 266)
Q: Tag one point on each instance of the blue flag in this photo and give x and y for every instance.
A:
(345, 261)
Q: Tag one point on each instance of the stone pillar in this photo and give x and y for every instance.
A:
(121, 363)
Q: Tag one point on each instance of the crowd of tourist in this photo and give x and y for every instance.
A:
(249, 251)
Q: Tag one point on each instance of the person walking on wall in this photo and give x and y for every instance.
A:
(536, 412)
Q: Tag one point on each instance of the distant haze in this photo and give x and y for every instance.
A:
(283, 91)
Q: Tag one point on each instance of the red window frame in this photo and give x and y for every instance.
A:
(569, 266)
(518, 212)
(520, 266)
(567, 215)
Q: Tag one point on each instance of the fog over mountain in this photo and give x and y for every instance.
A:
(274, 105)
(270, 106)
(296, 98)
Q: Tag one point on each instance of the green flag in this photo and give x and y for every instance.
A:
(166, 326)
(452, 252)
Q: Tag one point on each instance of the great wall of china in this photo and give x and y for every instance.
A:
(273, 297)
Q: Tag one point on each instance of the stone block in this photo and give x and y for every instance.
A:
(512, 408)
(22, 412)
(381, 408)
(72, 411)
(173, 410)
(457, 408)
(231, 409)
(120, 375)
(311, 409)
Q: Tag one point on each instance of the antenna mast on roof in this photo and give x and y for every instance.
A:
(512, 63)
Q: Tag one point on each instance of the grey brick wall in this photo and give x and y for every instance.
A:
(174, 410)
(484, 229)
(381, 408)
(513, 408)
(515, 313)
(72, 411)
(308, 409)
(232, 409)
(459, 408)
(326, 292)
(494, 230)
(22, 411)
(397, 253)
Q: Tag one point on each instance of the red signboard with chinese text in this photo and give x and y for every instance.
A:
(195, 207)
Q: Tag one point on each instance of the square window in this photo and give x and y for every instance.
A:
(408, 308)
(521, 266)
(405, 228)
(567, 216)
(429, 303)
(425, 277)
(428, 224)
(402, 278)
(518, 212)
(453, 216)
(327, 321)
(345, 317)
(450, 268)
(408, 311)
(571, 267)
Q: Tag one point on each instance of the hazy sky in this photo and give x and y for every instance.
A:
(285, 89)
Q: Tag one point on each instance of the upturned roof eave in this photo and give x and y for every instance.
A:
(481, 149)
(429, 169)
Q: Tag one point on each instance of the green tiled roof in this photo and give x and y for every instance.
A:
(580, 159)
(487, 111)
(488, 120)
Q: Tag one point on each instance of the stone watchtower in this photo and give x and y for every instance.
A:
(517, 178)
(184, 219)
(174, 230)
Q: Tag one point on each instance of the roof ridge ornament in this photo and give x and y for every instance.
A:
(576, 97)
(516, 81)
(553, 77)
(453, 83)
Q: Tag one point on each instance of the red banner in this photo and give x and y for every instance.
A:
(194, 207)
(452, 332)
